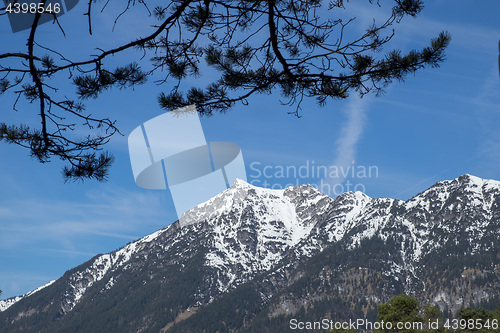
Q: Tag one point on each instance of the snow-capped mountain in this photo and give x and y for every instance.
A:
(355, 248)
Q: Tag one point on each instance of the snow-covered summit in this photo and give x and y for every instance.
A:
(467, 189)
(240, 193)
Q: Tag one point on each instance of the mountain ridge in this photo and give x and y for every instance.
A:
(189, 217)
(246, 232)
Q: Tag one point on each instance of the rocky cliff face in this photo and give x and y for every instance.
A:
(268, 254)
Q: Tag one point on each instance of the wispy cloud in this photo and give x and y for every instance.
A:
(40, 238)
(351, 132)
(410, 30)
(16, 281)
(114, 213)
(417, 185)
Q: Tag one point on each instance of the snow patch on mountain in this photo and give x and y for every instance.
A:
(5, 304)
(80, 281)
(254, 227)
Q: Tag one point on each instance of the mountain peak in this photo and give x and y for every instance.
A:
(238, 182)
(478, 181)
(472, 179)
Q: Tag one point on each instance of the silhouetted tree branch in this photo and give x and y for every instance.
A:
(257, 47)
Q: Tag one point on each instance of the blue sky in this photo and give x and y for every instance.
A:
(439, 124)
